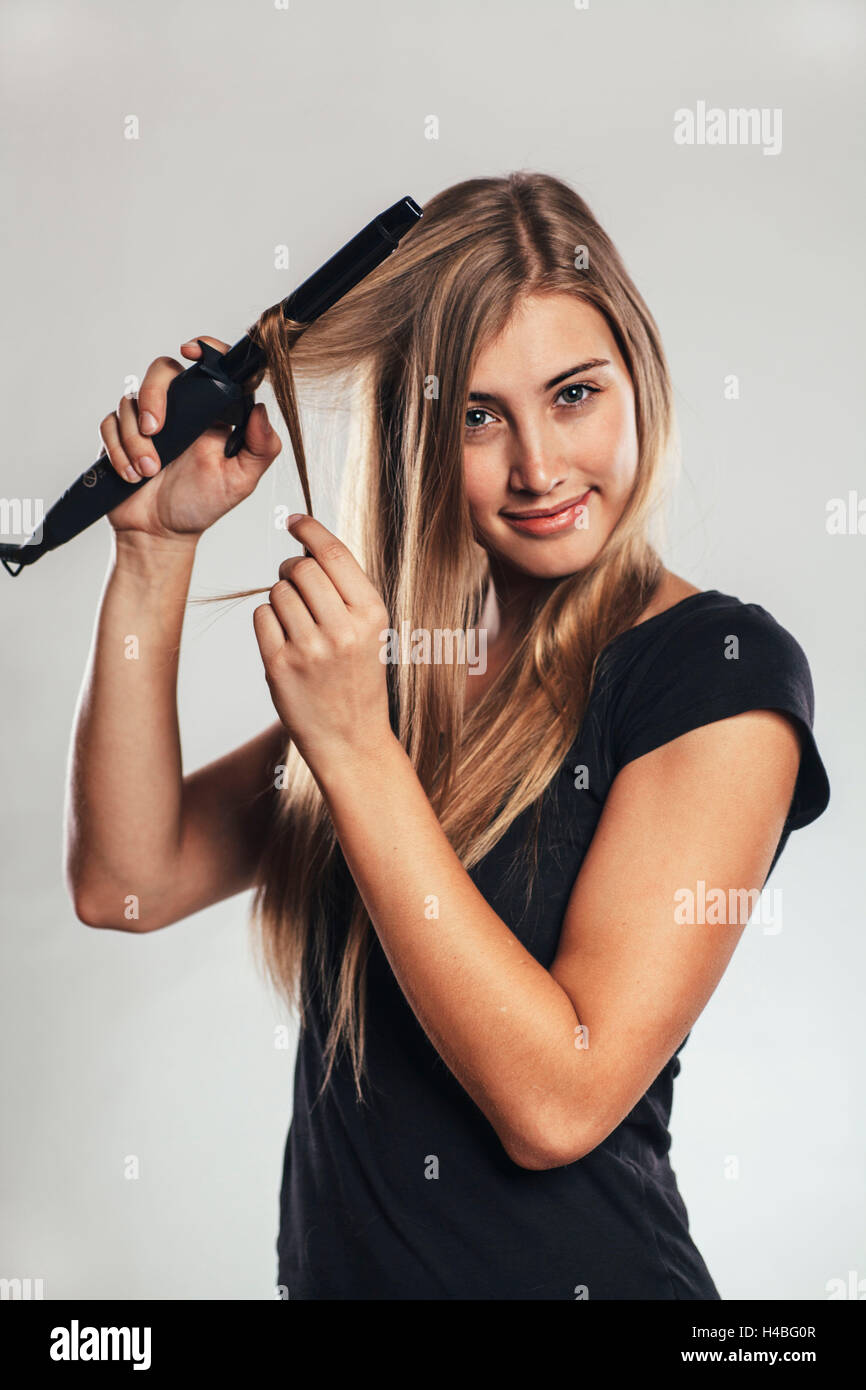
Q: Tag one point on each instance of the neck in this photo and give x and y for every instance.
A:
(507, 601)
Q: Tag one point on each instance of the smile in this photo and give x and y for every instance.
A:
(536, 524)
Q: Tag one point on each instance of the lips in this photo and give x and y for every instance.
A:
(549, 521)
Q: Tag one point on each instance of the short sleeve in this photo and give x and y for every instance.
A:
(715, 663)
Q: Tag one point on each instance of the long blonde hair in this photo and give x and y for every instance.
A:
(409, 334)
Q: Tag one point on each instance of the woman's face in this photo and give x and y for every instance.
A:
(549, 428)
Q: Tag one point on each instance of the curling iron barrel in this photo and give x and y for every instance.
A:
(213, 389)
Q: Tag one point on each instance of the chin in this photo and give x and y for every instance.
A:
(546, 559)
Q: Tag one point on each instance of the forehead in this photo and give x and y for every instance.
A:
(542, 332)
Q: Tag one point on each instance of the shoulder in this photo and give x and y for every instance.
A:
(713, 641)
(707, 658)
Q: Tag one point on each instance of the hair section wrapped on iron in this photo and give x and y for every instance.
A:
(276, 335)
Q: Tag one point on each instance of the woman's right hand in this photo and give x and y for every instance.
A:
(201, 484)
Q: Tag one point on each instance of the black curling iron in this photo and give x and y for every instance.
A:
(213, 389)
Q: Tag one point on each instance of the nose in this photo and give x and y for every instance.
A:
(535, 464)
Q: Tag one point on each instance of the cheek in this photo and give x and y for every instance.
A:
(482, 480)
(615, 444)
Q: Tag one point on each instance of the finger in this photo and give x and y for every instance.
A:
(294, 616)
(316, 589)
(269, 633)
(261, 442)
(110, 436)
(337, 560)
(152, 393)
(136, 446)
(191, 347)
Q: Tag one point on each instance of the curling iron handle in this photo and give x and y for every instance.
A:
(195, 400)
(213, 389)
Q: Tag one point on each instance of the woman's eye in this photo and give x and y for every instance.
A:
(476, 424)
(578, 386)
(575, 394)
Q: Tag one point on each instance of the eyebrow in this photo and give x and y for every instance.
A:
(548, 386)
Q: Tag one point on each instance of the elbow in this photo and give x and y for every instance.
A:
(541, 1147)
(85, 903)
(92, 912)
(96, 905)
(538, 1159)
(88, 912)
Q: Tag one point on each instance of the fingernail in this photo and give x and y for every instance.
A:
(131, 475)
(295, 516)
(148, 466)
(146, 422)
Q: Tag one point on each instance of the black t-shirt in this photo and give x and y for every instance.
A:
(411, 1195)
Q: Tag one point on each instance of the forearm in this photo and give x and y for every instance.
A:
(497, 1017)
(125, 779)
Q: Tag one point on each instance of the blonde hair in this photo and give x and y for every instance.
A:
(452, 284)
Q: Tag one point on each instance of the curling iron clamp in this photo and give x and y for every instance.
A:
(212, 389)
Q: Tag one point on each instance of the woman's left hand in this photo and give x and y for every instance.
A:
(319, 638)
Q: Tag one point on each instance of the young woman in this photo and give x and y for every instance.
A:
(500, 898)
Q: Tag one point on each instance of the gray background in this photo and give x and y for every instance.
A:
(261, 127)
